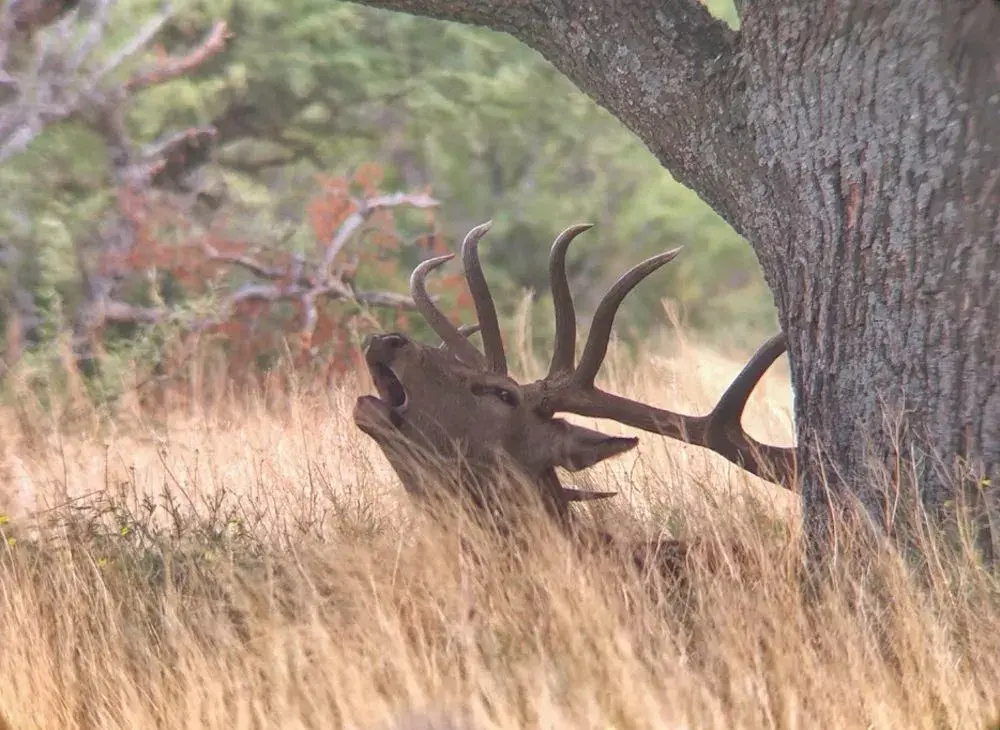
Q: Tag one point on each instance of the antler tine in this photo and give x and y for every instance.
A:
(729, 409)
(564, 350)
(600, 329)
(466, 330)
(485, 308)
(449, 333)
(724, 433)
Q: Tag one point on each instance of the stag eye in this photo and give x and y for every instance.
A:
(507, 396)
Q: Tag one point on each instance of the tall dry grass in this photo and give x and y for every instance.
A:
(256, 565)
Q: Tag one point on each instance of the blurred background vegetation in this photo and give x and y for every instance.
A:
(312, 104)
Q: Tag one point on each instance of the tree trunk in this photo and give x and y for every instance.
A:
(887, 277)
(856, 145)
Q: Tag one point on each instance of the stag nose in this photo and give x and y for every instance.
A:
(382, 347)
(392, 340)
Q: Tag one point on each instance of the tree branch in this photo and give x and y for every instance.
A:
(114, 311)
(305, 283)
(365, 208)
(174, 155)
(58, 87)
(170, 68)
(244, 262)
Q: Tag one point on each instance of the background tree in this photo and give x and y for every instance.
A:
(305, 89)
(498, 133)
(857, 147)
(144, 256)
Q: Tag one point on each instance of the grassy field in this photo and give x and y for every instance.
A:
(257, 565)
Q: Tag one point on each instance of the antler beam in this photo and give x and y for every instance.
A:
(719, 431)
(568, 388)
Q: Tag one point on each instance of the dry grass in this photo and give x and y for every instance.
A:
(259, 567)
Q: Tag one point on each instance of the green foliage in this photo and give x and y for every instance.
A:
(309, 87)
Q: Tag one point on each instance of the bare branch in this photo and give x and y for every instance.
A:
(113, 310)
(172, 68)
(62, 81)
(288, 285)
(135, 44)
(59, 87)
(172, 143)
(390, 300)
(21, 138)
(244, 262)
(273, 284)
(97, 25)
(365, 208)
(173, 155)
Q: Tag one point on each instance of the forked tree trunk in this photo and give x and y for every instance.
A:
(856, 145)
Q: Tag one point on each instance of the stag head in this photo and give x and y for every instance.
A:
(454, 404)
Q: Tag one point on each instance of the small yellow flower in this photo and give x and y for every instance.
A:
(102, 562)
(983, 484)
(12, 541)
(123, 530)
(4, 519)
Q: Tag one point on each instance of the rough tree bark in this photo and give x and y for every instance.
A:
(856, 145)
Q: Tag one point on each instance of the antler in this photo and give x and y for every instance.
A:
(485, 309)
(455, 338)
(466, 330)
(572, 390)
(452, 336)
(562, 299)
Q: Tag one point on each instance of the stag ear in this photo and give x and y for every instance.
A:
(578, 448)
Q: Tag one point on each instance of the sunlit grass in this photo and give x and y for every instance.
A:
(257, 565)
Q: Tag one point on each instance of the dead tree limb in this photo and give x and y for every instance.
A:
(302, 282)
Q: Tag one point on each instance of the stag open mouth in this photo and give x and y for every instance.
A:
(374, 415)
(390, 390)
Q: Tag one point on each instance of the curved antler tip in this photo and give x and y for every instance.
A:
(663, 258)
(427, 266)
(778, 341)
(471, 241)
(564, 239)
(575, 230)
